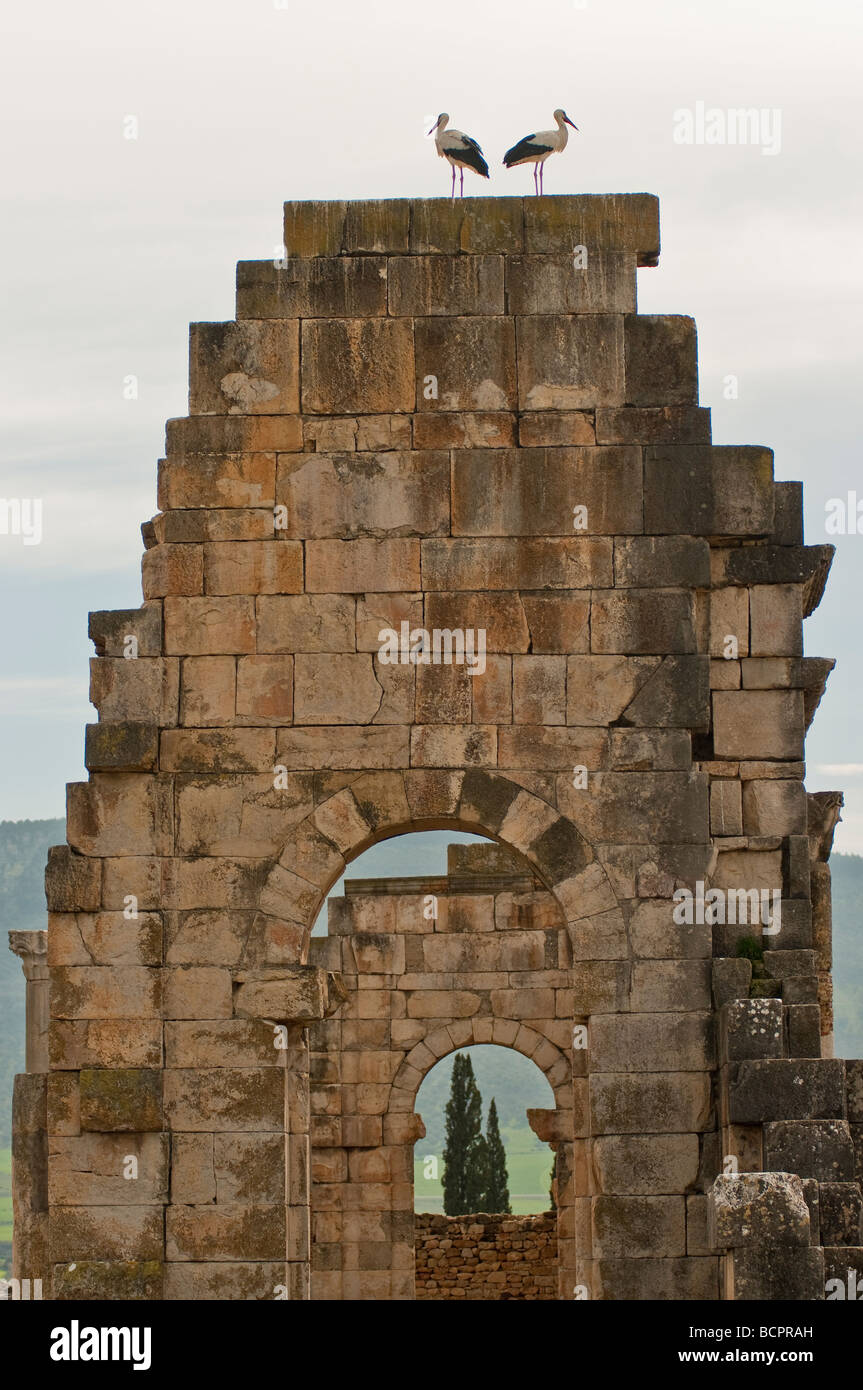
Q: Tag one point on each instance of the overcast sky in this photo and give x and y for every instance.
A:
(111, 246)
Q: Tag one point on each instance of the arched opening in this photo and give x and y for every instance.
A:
(470, 951)
(490, 1233)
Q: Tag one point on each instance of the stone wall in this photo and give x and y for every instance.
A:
(486, 1257)
(435, 417)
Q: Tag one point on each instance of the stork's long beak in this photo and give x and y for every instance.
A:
(433, 129)
(569, 122)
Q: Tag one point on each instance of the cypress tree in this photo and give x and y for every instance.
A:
(463, 1153)
(496, 1197)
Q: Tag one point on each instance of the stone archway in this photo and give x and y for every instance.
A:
(484, 968)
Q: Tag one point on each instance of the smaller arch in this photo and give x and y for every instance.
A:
(440, 1042)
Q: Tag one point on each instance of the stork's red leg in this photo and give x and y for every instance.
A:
(461, 171)
(453, 183)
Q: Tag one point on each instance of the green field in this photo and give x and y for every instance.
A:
(529, 1169)
(5, 1211)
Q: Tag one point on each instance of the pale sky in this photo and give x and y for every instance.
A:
(111, 246)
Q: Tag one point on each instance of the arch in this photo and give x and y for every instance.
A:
(379, 805)
(440, 1042)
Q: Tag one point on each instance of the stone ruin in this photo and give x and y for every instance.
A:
(447, 420)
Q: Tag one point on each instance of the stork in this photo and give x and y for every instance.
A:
(535, 149)
(461, 151)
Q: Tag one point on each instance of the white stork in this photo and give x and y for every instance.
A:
(535, 149)
(461, 151)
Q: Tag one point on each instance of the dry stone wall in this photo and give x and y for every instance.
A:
(486, 1257)
(436, 419)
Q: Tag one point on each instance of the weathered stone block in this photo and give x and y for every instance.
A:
(821, 1149)
(708, 490)
(253, 567)
(465, 364)
(218, 480)
(650, 1164)
(532, 492)
(376, 494)
(116, 747)
(750, 1028)
(434, 285)
(639, 1226)
(232, 1232)
(803, 1089)
(671, 1103)
(661, 360)
(758, 723)
(353, 365)
(641, 621)
(249, 367)
(523, 563)
(569, 362)
(556, 284)
(362, 566)
(209, 626)
(295, 995)
(322, 287)
(752, 1209)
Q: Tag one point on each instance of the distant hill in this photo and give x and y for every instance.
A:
(514, 1082)
(23, 850)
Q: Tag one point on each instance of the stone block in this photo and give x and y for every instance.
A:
(657, 424)
(295, 995)
(758, 1209)
(664, 1279)
(750, 1028)
(774, 807)
(670, 1103)
(362, 566)
(253, 567)
(455, 429)
(351, 365)
(640, 1042)
(233, 1232)
(375, 494)
(783, 1273)
(200, 1099)
(557, 284)
(555, 429)
(209, 626)
(614, 221)
(821, 1149)
(532, 492)
(570, 362)
(306, 623)
(265, 689)
(726, 808)
(106, 1233)
(445, 285)
(465, 364)
(661, 360)
(841, 1213)
(121, 747)
(249, 1168)
(93, 1170)
(116, 992)
(516, 563)
(660, 562)
(649, 1164)
(705, 490)
(248, 367)
(172, 569)
(145, 690)
(474, 225)
(99, 1281)
(803, 1089)
(642, 621)
(776, 619)
(110, 630)
(758, 723)
(231, 434)
(218, 480)
(331, 688)
(318, 288)
(730, 980)
(72, 881)
(639, 1226)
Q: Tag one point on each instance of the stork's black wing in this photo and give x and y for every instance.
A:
(524, 152)
(469, 152)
